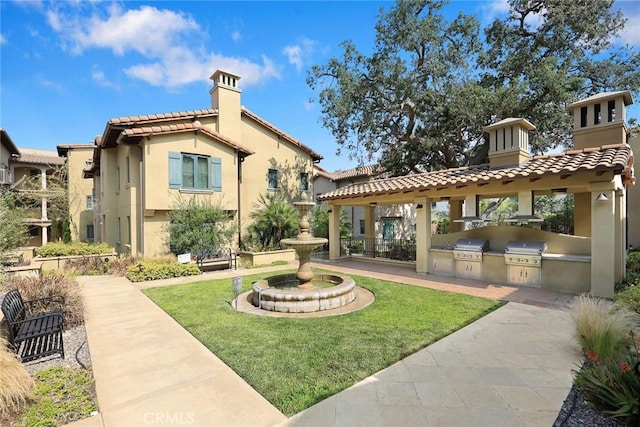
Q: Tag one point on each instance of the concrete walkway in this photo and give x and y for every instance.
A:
(510, 368)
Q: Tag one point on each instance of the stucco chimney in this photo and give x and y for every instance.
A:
(225, 97)
(600, 119)
(509, 142)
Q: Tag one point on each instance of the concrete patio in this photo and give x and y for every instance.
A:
(510, 368)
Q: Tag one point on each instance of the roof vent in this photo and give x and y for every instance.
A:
(509, 142)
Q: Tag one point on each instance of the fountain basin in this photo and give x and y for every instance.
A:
(267, 296)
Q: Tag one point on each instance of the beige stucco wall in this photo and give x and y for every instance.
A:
(633, 200)
(78, 189)
(500, 235)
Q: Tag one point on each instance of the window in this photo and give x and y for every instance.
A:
(304, 181)
(611, 111)
(90, 202)
(128, 171)
(119, 230)
(583, 117)
(118, 178)
(195, 172)
(362, 226)
(272, 183)
(129, 230)
(388, 229)
(34, 172)
(597, 116)
(34, 231)
(90, 232)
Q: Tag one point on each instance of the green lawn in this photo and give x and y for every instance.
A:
(295, 363)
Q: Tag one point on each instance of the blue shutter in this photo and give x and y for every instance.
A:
(175, 170)
(216, 173)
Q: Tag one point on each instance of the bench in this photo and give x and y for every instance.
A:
(33, 335)
(225, 257)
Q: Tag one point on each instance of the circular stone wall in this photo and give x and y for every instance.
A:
(268, 297)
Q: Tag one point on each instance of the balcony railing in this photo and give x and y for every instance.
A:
(397, 249)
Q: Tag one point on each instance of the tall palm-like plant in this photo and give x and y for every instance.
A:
(273, 220)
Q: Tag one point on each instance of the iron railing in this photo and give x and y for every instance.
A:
(397, 249)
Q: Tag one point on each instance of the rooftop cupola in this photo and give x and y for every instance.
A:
(600, 119)
(509, 142)
(225, 97)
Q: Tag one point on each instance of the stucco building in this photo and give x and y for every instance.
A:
(142, 164)
(38, 176)
(598, 171)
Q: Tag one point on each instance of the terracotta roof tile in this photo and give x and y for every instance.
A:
(132, 120)
(42, 157)
(183, 127)
(608, 157)
(253, 116)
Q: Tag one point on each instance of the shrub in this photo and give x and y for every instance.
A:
(55, 283)
(629, 298)
(600, 330)
(95, 265)
(633, 268)
(75, 248)
(15, 382)
(160, 269)
(274, 219)
(613, 387)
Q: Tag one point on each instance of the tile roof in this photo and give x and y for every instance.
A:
(43, 157)
(255, 117)
(154, 118)
(605, 158)
(366, 170)
(183, 127)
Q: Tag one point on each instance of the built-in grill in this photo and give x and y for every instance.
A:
(524, 253)
(470, 249)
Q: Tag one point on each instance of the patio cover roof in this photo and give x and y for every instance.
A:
(608, 158)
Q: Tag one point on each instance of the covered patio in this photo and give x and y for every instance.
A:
(597, 171)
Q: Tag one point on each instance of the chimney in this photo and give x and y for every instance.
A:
(225, 97)
(509, 142)
(600, 119)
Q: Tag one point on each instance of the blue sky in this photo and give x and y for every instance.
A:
(67, 67)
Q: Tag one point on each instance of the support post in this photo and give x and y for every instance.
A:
(334, 231)
(423, 234)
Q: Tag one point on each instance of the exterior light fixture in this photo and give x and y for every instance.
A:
(373, 204)
(419, 206)
(602, 198)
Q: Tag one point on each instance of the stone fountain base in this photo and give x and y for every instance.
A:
(267, 296)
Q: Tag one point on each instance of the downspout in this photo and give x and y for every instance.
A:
(140, 213)
(240, 161)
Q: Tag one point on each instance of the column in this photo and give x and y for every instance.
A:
(423, 234)
(455, 212)
(334, 231)
(43, 203)
(370, 230)
(621, 233)
(603, 243)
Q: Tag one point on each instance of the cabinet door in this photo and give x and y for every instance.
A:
(531, 276)
(469, 270)
(514, 274)
(442, 266)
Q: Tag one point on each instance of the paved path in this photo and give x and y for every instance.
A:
(510, 368)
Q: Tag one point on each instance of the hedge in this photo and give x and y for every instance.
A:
(160, 269)
(75, 248)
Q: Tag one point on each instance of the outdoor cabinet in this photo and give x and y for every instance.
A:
(524, 276)
(442, 266)
(469, 270)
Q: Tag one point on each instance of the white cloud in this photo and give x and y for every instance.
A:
(3, 39)
(99, 77)
(493, 9)
(170, 43)
(236, 36)
(631, 32)
(299, 54)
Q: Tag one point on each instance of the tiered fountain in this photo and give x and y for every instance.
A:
(304, 291)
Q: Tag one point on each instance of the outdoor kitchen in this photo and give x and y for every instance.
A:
(597, 171)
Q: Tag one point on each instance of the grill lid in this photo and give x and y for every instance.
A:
(478, 245)
(524, 247)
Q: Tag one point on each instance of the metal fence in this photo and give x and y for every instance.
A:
(397, 249)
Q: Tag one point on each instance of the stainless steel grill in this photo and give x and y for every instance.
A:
(524, 253)
(470, 249)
